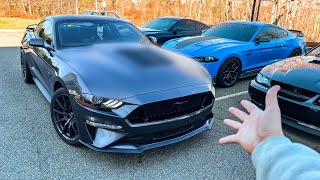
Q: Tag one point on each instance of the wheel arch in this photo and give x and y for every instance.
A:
(58, 83)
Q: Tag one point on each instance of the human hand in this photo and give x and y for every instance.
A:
(256, 126)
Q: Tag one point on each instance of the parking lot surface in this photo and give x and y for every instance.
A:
(31, 149)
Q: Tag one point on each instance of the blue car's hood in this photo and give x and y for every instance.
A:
(200, 44)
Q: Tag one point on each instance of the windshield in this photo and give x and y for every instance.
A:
(83, 33)
(234, 31)
(161, 24)
(314, 52)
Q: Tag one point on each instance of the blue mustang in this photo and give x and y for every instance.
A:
(236, 49)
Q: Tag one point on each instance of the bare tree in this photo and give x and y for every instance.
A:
(77, 7)
(29, 8)
(23, 7)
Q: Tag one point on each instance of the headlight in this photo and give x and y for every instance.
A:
(261, 79)
(206, 59)
(97, 102)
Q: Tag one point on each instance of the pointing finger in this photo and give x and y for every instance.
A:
(271, 97)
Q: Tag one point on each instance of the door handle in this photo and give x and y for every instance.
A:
(49, 74)
(280, 45)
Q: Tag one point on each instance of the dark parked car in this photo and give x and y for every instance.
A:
(111, 89)
(299, 97)
(166, 28)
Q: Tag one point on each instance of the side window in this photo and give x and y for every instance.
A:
(200, 25)
(266, 32)
(39, 29)
(46, 32)
(280, 33)
(111, 15)
(185, 25)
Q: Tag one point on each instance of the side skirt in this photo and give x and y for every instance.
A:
(250, 72)
(43, 90)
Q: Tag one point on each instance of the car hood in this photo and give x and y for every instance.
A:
(303, 71)
(148, 31)
(120, 71)
(200, 45)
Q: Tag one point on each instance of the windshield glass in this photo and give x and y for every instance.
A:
(161, 24)
(314, 52)
(234, 31)
(83, 33)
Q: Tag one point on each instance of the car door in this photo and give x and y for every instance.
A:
(184, 28)
(43, 56)
(267, 51)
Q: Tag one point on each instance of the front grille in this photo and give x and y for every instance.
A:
(171, 108)
(290, 110)
(294, 93)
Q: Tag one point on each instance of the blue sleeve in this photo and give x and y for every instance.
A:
(276, 158)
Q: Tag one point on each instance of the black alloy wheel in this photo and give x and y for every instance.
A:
(295, 52)
(63, 118)
(229, 72)
(26, 74)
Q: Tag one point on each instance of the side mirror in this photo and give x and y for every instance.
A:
(263, 39)
(153, 39)
(36, 42)
(203, 31)
(175, 31)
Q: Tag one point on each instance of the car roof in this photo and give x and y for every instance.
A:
(171, 17)
(256, 23)
(60, 18)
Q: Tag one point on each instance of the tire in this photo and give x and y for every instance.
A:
(25, 70)
(295, 52)
(63, 119)
(229, 72)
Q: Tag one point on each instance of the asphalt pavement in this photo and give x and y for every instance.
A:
(31, 149)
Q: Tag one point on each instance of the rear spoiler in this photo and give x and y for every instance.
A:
(296, 32)
(31, 27)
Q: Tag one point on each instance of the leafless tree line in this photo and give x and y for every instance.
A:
(292, 14)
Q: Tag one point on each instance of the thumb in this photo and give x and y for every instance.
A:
(271, 97)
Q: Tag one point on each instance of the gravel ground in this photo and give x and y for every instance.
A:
(30, 148)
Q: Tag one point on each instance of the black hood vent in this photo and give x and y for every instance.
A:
(188, 42)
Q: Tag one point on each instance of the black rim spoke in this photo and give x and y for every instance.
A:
(60, 104)
(64, 119)
(230, 73)
(59, 112)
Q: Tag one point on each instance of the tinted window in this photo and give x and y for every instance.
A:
(200, 26)
(161, 24)
(185, 25)
(234, 31)
(45, 31)
(89, 33)
(272, 33)
(39, 29)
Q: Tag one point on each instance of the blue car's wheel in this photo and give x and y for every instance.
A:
(295, 52)
(229, 72)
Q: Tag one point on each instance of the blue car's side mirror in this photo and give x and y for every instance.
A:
(263, 39)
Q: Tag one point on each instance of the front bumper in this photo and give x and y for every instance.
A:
(296, 114)
(133, 138)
